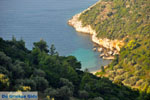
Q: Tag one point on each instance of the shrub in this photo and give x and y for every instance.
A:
(133, 80)
(119, 78)
(127, 75)
(4, 81)
(126, 82)
(139, 82)
(132, 45)
(112, 74)
(120, 71)
(137, 67)
(98, 98)
(83, 94)
(117, 67)
(139, 72)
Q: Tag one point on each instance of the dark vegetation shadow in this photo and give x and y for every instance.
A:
(54, 77)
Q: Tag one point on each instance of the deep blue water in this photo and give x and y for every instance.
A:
(33, 20)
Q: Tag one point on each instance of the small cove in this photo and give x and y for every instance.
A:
(33, 20)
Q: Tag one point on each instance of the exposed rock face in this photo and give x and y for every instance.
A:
(107, 43)
(111, 45)
(78, 25)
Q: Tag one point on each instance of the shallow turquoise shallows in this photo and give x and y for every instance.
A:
(33, 20)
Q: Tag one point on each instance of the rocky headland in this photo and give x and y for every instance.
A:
(107, 47)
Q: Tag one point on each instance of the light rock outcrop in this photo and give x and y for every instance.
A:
(113, 45)
(107, 43)
(78, 25)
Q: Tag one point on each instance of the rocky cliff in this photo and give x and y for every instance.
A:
(107, 43)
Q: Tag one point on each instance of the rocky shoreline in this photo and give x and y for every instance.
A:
(105, 53)
(107, 47)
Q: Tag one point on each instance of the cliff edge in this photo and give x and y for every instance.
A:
(113, 45)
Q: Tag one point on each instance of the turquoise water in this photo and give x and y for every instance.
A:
(47, 19)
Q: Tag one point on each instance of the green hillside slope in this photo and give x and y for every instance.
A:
(116, 19)
(128, 19)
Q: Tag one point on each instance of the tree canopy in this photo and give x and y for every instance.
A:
(53, 76)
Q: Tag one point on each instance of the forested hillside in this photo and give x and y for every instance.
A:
(132, 66)
(54, 77)
(127, 20)
(115, 19)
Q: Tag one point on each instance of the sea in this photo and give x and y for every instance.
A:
(32, 20)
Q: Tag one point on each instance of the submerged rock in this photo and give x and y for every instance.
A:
(94, 49)
(100, 49)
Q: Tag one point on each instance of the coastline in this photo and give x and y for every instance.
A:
(106, 44)
(99, 70)
(94, 72)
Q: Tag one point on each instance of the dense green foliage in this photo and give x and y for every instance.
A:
(127, 20)
(132, 66)
(54, 76)
(118, 18)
